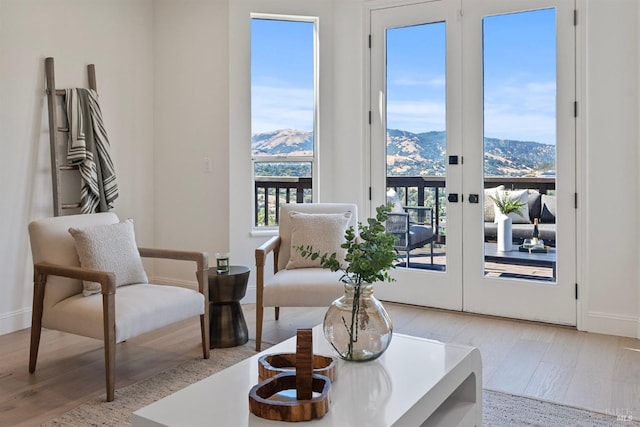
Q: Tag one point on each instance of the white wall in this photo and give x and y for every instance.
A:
(174, 82)
(116, 36)
(192, 115)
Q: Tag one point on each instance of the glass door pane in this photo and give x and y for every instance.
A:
(519, 80)
(417, 142)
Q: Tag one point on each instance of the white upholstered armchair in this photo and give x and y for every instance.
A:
(297, 282)
(115, 302)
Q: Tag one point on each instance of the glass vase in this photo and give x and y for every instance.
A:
(356, 325)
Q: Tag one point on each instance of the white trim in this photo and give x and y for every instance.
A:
(15, 320)
(581, 160)
(612, 324)
(283, 17)
(264, 232)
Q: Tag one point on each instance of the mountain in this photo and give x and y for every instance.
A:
(416, 154)
(282, 142)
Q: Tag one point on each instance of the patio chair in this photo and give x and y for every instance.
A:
(413, 229)
(296, 282)
(89, 280)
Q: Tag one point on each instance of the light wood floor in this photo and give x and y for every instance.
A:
(547, 362)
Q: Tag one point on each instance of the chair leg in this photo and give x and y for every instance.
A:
(277, 313)
(204, 331)
(36, 319)
(259, 313)
(432, 252)
(109, 319)
(203, 286)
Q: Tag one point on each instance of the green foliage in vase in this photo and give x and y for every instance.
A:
(506, 204)
(370, 253)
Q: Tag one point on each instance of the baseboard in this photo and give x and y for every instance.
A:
(250, 296)
(15, 321)
(612, 324)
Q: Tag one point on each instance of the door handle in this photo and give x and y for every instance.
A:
(453, 198)
(474, 198)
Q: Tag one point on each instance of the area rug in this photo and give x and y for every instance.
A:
(499, 409)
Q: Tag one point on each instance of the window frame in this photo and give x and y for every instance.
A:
(314, 158)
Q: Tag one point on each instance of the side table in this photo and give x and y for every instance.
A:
(227, 326)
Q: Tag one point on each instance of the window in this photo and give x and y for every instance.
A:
(283, 112)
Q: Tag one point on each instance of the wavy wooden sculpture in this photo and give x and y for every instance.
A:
(267, 401)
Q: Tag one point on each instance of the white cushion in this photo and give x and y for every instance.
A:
(284, 223)
(139, 309)
(324, 232)
(489, 204)
(112, 248)
(523, 197)
(52, 243)
(321, 288)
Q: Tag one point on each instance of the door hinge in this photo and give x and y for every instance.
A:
(575, 108)
(369, 116)
(575, 17)
(575, 200)
(369, 41)
(576, 291)
(369, 193)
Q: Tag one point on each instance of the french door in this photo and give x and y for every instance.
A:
(420, 42)
(472, 101)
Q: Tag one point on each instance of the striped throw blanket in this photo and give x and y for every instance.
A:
(89, 149)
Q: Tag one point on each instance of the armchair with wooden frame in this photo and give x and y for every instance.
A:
(299, 287)
(114, 313)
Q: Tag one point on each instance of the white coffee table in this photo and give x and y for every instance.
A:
(416, 382)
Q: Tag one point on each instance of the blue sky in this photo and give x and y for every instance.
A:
(519, 69)
(282, 75)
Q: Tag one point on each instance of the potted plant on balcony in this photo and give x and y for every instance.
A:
(505, 204)
(356, 325)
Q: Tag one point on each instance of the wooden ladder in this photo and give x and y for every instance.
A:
(56, 98)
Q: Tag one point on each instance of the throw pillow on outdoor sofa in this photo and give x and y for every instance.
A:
(489, 205)
(523, 197)
(548, 212)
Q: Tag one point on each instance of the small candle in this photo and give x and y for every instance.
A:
(222, 263)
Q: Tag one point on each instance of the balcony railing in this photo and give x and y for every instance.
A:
(270, 191)
(414, 190)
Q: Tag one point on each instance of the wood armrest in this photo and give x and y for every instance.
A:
(271, 245)
(106, 279)
(201, 258)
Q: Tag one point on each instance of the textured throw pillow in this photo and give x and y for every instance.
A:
(324, 232)
(521, 195)
(489, 205)
(112, 248)
(534, 204)
(548, 214)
